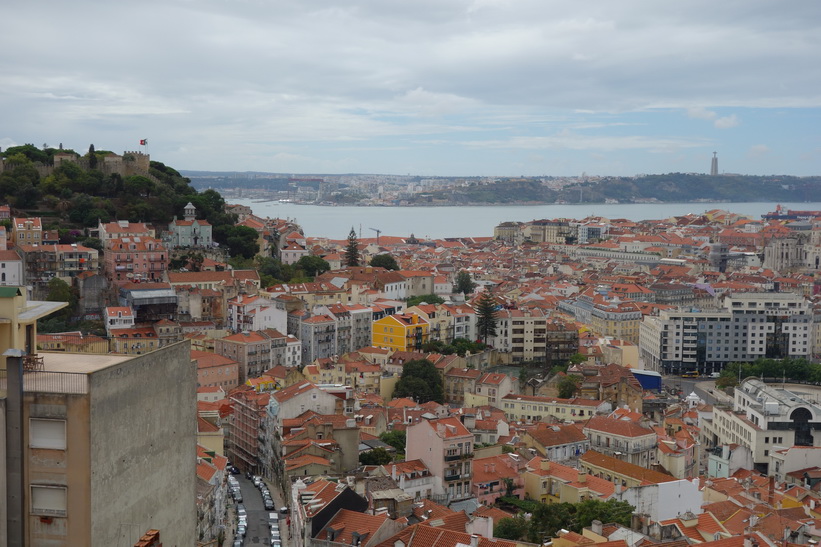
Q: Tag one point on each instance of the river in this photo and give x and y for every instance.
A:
(466, 221)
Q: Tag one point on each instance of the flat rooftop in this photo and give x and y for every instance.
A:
(80, 363)
(65, 373)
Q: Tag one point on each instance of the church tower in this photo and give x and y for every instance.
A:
(190, 212)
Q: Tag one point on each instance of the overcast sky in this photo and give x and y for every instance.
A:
(426, 87)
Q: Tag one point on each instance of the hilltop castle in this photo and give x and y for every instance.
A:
(128, 164)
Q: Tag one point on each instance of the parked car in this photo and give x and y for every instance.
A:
(268, 503)
(283, 510)
(241, 530)
(273, 518)
(237, 542)
(276, 543)
(234, 470)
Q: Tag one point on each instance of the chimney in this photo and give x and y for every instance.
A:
(596, 526)
(545, 465)
(474, 540)
(582, 477)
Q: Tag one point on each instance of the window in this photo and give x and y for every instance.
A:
(48, 500)
(47, 433)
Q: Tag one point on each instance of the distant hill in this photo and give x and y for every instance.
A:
(672, 187)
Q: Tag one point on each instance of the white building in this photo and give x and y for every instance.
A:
(11, 268)
(765, 418)
(751, 326)
(251, 313)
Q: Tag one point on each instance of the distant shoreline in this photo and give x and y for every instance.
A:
(483, 204)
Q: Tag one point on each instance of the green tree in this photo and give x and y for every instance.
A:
(426, 298)
(352, 250)
(568, 386)
(60, 291)
(384, 261)
(577, 358)
(619, 512)
(420, 381)
(486, 316)
(464, 283)
(547, 519)
(514, 529)
(92, 157)
(395, 438)
(240, 240)
(377, 456)
(312, 265)
(460, 346)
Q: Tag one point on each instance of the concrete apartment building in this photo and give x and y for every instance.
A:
(319, 338)
(93, 454)
(42, 263)
(751, 325)
(353, 325)
(765, 418)
(521, 333)
(256, 351)
(446, 448)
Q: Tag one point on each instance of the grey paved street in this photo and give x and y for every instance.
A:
(257, 515)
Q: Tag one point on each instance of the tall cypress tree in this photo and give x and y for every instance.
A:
(486, 316)
(352, 250)
(92, 157)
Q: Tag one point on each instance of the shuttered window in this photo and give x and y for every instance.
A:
(48, 500)
(47, 433)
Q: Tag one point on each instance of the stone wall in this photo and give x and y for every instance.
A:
(143, 451)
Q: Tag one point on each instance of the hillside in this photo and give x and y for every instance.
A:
(72, 192)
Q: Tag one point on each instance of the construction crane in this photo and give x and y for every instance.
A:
(377, 234)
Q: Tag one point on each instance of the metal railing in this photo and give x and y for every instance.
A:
(69, 383)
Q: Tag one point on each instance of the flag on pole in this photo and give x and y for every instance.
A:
(143, 142)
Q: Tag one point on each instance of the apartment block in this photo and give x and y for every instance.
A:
(765, 418)
(446, 448)
(521, 333)
(751, 326)
(96, 455)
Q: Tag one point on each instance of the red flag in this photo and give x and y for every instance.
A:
(143, 142)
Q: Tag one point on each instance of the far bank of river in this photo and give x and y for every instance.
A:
(464, 221)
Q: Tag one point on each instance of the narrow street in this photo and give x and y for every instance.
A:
(257, 533)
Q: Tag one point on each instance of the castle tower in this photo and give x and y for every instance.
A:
(190, 212)
(714, 166)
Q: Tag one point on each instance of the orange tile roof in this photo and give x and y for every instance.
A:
(428, 536)
(624, 468)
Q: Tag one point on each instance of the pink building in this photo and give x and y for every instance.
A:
(497, 476)
(135, 259)
(215, 370)
(446, 447)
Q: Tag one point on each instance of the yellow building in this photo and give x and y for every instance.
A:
(400, 332)
(532, 408)
(18, 327)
